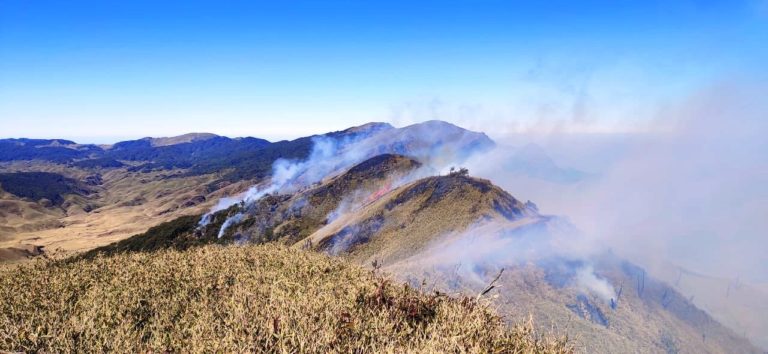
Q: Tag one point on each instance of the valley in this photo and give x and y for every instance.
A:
(120, 204)
(394, 202)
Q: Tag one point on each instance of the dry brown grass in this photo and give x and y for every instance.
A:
(415, 222)
(126, 204)
(264, 298)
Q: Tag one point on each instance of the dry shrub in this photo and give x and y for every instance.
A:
(264, 298)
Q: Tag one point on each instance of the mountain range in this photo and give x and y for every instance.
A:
(395, 200)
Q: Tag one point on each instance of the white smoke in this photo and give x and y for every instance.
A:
(497, 244)
(285, 175)
(434, 143)
(686, 189)
(231, 220)
(222, 204)
(361, 197)
(327, 156)
(589, 282)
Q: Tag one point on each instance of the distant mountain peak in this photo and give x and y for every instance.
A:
(437, 123)
(180, 139)
(368, 128)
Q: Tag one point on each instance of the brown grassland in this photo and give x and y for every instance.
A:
(127, 203)
(256, 298)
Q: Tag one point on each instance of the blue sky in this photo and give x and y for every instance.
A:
(100, 71)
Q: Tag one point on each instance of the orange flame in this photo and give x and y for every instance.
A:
(379, 193)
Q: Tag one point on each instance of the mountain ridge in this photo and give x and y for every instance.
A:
(373, 195)
(137, 186)
(407, 230)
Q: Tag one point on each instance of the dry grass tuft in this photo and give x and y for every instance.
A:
(265, 298)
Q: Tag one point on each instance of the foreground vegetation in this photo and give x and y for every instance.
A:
(264, 298)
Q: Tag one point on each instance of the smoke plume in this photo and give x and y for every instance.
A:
(433, 143)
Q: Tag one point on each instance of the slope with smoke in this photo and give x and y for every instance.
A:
(693, 192)
(434, 143)
(552, 243)
(690, 193)
(687, 193)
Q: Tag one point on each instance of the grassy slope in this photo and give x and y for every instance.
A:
(292, 218)
(423, 210)
(126, 204)
(264, 298)
(422, 214)
(16, 254)
(461, 206)
(742, 306)
(638, 325)
(40, 185)
(177, 234)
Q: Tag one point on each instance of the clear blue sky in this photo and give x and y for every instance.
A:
(100, 70)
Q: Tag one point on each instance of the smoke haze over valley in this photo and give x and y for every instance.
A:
(415, 177)
(680, 203)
